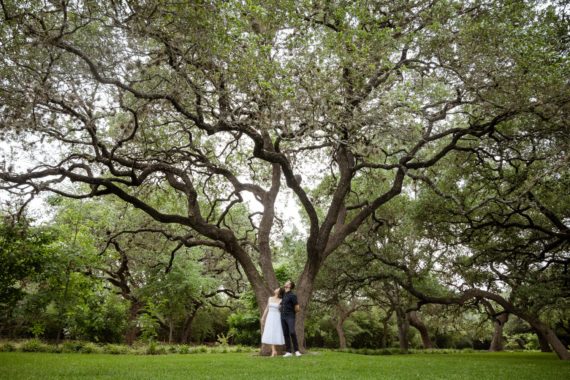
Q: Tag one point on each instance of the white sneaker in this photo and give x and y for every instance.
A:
(287, 354)
(297, 353)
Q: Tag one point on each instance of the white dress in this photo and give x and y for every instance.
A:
(273, 332)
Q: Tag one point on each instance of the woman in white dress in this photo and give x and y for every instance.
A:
(271, 319)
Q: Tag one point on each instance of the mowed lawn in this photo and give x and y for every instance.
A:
(317, 365)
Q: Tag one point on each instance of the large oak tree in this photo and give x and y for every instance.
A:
(212, 100)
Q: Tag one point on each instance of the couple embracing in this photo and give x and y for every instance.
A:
(279, 317)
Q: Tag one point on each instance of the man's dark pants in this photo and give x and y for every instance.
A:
(288, 324)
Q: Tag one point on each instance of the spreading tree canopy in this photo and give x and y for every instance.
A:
(207, 101)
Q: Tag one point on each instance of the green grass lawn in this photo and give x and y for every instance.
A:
(317, 365)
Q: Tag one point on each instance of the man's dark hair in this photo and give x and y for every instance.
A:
(292, 284)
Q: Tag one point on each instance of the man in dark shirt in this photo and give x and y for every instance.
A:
(290, 307)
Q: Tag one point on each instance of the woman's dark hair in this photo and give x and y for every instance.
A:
(292, 284)
(281, 292)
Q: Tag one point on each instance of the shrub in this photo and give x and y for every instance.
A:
(115, 349)
(522, 341)
(173, 349)
(90, 348)
(149, 327)
(7, 347)
(244, 328)
(37, 330)
(224, 339)
(34, 345)
(154, 349)
(443, 340)
(54, 349)
(462, 343)
(73, 346)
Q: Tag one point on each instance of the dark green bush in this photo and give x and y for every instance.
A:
(155, 349)
(115, 349)
(73, 346)
(7, 347)
(34, 345)
(245, 328)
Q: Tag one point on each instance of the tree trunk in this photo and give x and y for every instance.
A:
(385, 321)
(551, 338)
(262, 293)
(170, 330)
(403, 329)
(497, 341)
(416, 322)
(304, 291)
(384, 333)
(300, 324)
(187, 327)
(132, 328)
(341, 335)
(266, 224)
(542, 341)
(63, 304)
(340, 315)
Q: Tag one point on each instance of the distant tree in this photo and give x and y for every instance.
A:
(505, 217)
(338, 296)
(499, 319)
(24, 252)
